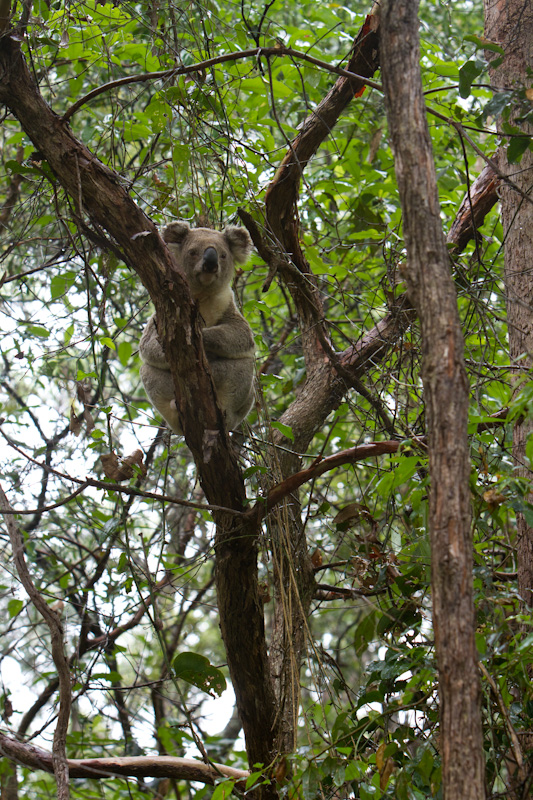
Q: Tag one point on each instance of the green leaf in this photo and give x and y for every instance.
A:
(485, 44)
(124, 351)
(107, 342)
(39, 331)
(197, 669)
(223, 790)
(80, 375)
(257, 468)
(60, 284)
(496, 105)
(517, 147)
(286, 430)
(353, 771)
(467, 75)
(14, 607)
(67, 336)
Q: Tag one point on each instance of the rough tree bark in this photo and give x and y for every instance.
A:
(446, 400)
(510, 23)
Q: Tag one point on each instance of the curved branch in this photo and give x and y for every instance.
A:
(53, 621)
(282, 194)
(277, 493)
(96, 191)
(279, 50)
(129, 766)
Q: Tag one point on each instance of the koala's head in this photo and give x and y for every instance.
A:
(207, 257)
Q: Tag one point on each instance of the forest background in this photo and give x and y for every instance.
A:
(351, 573)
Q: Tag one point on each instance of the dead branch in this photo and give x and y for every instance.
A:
(476, 204)
(128, 766)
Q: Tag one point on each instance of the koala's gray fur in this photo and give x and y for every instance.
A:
(207, 258)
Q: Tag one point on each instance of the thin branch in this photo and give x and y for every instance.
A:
(515, 744)
(278, 50)
(107, 486)
(85, 645)
(53, 621)
(489, 161)
(319, 467)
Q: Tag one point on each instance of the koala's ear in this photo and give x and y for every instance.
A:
(239, 243)
(176, 232)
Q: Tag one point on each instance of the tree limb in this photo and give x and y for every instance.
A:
(128, 766)
(201, 66)
(53, 621)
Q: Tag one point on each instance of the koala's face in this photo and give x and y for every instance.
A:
(207, 257)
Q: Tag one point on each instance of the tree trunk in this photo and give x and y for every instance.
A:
(510, 23)
(446, 399)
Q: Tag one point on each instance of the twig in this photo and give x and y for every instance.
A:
(112, 487)
(490, 161)
(293, 482)
(513, 738)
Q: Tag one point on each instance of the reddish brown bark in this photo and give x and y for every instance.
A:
(446, 400)
(510, 23)
(282, 195)
(483, 195)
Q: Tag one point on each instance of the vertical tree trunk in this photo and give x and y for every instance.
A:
(510, 23)
(446, 400)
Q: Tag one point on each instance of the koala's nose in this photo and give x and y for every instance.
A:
(210, 260)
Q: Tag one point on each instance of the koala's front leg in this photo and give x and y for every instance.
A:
(150, 348)
(232, 339)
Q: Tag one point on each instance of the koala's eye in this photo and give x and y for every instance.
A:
(223, 255)
(193, 251)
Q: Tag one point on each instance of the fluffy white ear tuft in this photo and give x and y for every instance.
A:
(176, 232)
(239, 243)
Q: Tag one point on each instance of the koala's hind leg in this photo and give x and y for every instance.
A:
(159, 387)
(233, 379)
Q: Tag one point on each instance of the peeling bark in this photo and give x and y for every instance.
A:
(132, 766)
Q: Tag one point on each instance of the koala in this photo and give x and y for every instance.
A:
(207, 259)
